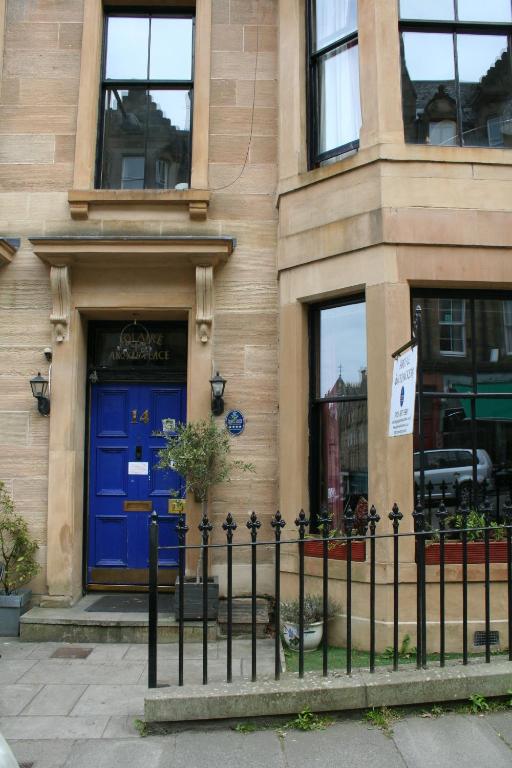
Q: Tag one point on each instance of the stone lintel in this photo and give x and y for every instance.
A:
(194, 250)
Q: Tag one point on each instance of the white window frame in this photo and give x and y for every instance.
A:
(458, 324)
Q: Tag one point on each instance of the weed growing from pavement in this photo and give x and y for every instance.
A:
(245, 728)
(308, 721)
(478, 704)
(382, 717)
(141, 727)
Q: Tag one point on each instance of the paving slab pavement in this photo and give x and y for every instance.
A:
(82, 712)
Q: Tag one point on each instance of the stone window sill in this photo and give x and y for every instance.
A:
(196, 200)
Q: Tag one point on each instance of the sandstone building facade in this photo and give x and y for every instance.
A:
(269, 201)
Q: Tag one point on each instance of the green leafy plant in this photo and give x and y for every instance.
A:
(245, 728)
(405, 650)
(200, 452)
(17, 549)
(382, 718)
(313, 609)
(308, 721)
(141, 727)
(478, 703)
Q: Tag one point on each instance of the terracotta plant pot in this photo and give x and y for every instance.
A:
(337, 550)
(476, 552)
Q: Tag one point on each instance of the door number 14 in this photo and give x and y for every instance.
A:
(144, 417)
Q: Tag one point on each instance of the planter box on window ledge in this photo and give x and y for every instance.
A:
(337, 550)
(193, 599)
(476, 552)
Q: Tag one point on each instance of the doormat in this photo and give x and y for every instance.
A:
(130, 603)
(71, 652)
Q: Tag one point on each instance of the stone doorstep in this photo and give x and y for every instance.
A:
(334, 693)
(73, 625)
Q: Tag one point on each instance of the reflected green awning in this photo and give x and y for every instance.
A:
(499, 410)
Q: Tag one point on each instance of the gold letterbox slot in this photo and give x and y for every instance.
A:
(138, 506)
(175, 506)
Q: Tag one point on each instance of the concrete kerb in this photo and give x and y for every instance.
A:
(335, 693)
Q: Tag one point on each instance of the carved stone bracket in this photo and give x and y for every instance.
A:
(8, 247)
(204, 302)
(61, 297)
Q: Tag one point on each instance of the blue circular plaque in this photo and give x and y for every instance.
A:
(235, 423)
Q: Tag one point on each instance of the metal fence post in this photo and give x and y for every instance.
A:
(153, 601)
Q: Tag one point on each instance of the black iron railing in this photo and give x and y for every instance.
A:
(423, 534)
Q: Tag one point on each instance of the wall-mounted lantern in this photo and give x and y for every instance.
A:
(40, 391)
(217, 384)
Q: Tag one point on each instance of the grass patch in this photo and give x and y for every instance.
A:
(313, 660)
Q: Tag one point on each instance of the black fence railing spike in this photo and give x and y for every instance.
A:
(442, 514)
(277, 524)
(302, 522)
(181, 532)
(373, 519)
(349, 520)
(419, 516)
(395, 516)
(229, 525)
(253, 524)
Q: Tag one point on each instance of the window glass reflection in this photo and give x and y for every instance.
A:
(343, 350)
(485, 90)
(339, 103)
(492, 10)
(433, 9)
(171, 49)
(493, 320)
(168, 145)
(446, 348)
(127, 48)
(343, 457)
(333, 19)
(428, 88)
(124, 135)
(456, 423)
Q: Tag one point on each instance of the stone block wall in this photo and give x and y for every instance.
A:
(38, 102)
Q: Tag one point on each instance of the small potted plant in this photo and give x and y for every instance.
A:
(17, 565)
(313, 621)
(200, 452)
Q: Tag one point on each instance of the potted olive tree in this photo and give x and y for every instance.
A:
(200, 452)
(17, 565)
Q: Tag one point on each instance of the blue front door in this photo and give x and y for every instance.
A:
(124, 483)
